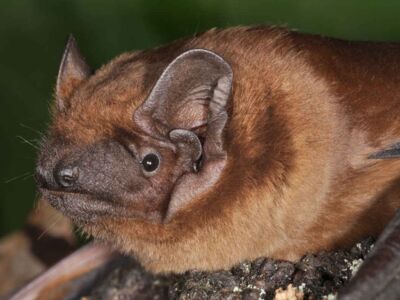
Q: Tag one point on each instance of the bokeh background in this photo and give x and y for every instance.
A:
(33, 34)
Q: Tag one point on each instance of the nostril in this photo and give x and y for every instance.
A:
(67, 177)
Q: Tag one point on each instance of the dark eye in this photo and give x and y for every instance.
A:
(150, 162)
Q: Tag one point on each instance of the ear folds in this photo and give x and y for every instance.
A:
(195, 82)
(73, 70)
(190, 97)
(188, 143)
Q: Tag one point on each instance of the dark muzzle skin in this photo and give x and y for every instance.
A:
(86, 181)
(105, 170)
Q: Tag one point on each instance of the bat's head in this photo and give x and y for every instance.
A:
(126, 144)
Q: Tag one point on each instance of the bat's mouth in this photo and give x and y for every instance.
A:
(86, 209)
(82, 208)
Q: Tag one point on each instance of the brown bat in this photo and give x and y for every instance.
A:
(227, 146)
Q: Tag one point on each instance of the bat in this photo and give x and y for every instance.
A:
(227, 146)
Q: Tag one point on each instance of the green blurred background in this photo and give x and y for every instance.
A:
(33, 33)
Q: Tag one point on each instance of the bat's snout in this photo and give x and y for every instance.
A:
(57, 179)
(104, 170)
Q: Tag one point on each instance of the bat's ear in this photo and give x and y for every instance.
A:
(73, 70)
(188, 104)
(193, 86)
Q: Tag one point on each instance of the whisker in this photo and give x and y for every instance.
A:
(28, 142)
(23, 176)
(27, 176)
(32, 129)
(36, 200)
(82, 234)
(53, 223)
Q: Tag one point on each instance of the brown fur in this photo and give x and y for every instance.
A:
(306, 112)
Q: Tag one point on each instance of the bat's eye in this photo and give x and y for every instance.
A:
(150, 162)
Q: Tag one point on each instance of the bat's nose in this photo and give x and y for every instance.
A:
(67, 177)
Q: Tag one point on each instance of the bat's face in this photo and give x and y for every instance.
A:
(118, 148)
(122, 174)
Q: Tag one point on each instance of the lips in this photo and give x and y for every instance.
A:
(86, 209)
(82, 208)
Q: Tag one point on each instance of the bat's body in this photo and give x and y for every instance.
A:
(276, 152)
